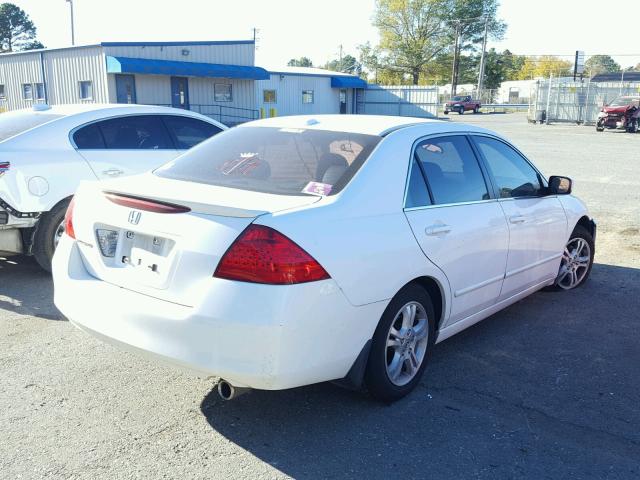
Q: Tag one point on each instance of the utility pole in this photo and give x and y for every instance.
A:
(454, 72)
(73, 34)
(482, 57)
(340, 54)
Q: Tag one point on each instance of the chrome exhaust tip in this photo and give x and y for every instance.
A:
(228, 391)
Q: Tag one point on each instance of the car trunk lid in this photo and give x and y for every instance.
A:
(169, 246)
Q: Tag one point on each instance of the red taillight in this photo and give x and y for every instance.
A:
(145, 204)
(68, 219)
(263, 255)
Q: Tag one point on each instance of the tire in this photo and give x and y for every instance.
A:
(461, 111)
(633, 126)
(564, 281)
(417, 339)
(476, 110)
(599, 126)
(446, 112)
(47, 233)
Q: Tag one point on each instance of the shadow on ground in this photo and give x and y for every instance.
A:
(544, 389)
(26, 289)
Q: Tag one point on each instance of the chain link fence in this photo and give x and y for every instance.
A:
(574, 102)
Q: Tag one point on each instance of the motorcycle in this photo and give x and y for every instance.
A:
(623, 113)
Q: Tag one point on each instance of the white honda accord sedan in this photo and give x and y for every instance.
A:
(297, 250)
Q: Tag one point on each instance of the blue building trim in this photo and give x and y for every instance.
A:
(337, 81)
(189, 69)
(347, 82)
(176, 44)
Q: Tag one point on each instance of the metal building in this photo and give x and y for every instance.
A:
(216, 78)
(302, 90)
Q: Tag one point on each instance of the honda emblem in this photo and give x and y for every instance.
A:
(134, 217)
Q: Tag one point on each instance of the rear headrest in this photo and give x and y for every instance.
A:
(328, 160)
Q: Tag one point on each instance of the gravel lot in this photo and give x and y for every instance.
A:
(546, 389)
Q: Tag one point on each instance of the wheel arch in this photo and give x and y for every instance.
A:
(588, 224)
(436, 292)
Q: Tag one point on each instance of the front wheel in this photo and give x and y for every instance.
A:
(49, 230)
(577, 260)
(461, 111)
(633, 126)
(600, 126)
(401, 345)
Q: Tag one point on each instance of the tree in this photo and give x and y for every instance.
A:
(300, 62)
(348, 64)
(467, 24)
(17, 31)
(600, 64)
(544, 66)
(412, 33)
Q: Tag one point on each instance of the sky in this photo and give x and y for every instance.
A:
(316, 29)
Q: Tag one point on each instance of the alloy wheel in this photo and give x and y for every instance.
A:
(407, 342)
(57, 235)
(575, 263)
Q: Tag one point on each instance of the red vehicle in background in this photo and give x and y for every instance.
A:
(461, 104)
(622, 113)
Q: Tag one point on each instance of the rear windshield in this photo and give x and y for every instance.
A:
(283, 161)
(14, 123)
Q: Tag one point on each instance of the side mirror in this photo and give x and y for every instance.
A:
(559, 185)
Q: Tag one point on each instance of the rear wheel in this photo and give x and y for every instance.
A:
(476, 109)
(401, 345)
(577, 260)
(49, 230)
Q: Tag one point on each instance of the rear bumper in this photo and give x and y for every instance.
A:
(259, 336)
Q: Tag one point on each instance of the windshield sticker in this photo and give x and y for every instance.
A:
(241, 166)
(317, 188)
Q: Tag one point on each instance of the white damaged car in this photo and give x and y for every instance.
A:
(45, 152)
(296, 250)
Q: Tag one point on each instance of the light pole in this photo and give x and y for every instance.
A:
(482, 58)
(73, 34)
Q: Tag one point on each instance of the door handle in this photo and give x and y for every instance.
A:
(439, 229)
(113, 172)
(517, 219)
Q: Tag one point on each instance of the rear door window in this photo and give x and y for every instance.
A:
(135, 132)
(187, 132)
(287, 161)
(452, 170)
(89, 138)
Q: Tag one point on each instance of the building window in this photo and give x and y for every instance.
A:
(307, 96)
(86, 90)
(27, 91)
(39, 89)
(222, 92)
(2, 94)
(269, 96)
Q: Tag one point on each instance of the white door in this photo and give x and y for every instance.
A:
(125, 145)
(457, 223)
(537, 223)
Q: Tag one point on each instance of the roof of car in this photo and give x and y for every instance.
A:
(364, 124)
(74, 109)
